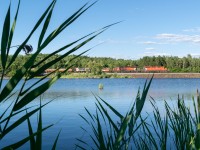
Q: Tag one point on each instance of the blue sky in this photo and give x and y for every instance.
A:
(150, 28)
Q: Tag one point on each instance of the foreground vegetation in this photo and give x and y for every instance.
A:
(20, 110)
(129, 131)
(175, 126)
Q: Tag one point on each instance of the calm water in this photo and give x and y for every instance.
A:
(72, 95)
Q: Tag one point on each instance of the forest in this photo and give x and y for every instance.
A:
(172, 63)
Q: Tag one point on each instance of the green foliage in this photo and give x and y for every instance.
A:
(172, 63)
(172, 128)
(177, 129)
(113, 134)
(20, 68)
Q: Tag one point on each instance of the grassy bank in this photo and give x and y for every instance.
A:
(124, 75)
(162, 75)
(90, 75)
(133, 75)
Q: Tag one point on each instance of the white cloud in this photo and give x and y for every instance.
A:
(113, 41)
(151, 43)
(197, 29)
(179, 37)
(149, 48)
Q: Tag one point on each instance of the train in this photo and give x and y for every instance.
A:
(114, 70)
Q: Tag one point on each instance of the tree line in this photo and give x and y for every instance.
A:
(96, 64)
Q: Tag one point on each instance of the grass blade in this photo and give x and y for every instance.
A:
(89, 114)
(14, 114)
(49, 64)
(100, 134)
(45, 26)
(65, 24)
(68, 45)
(122, 130)
(35, 93)
(5, 111)
(111, 108)
(21, 72)
(39, 135)
(12, 29)
(23, 141)
(33, 30)
(55, 143)
(4, 38)
(21, 120)
(84, 119)
(108, 116)
(32, 139)
(140, 103)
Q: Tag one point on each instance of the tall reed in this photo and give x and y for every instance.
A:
(175, 127)
(29, 92)
(109, 133)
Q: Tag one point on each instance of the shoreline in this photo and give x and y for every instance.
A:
(128, 75)
(134, 75)
(161, 75)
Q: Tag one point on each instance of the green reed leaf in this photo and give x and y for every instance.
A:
(122, 130)
(100, 135)
(2, 115)
(14, 114)
(72, 43)
(32, 139)
(23, 141)
(84, 118)
(140, 103)
(56, 141)
(66, 23)
(12, 29)
(19, 122)
(197, 138)
(22, 119)
(80, 147)
(35, 93)
(111, 108)
(89, 114)
(12, 83)
(42, 79)
(39, 135)
(45, 26)
(31, 33)
(4, 38)
(108, 116)
(100, 111)
(21, 72)
(49, 64)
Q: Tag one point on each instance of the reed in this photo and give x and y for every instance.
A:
(175, 127)
(178, 129)
(28, 93)
(109, 133)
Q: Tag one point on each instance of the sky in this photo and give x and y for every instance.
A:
(148, 27)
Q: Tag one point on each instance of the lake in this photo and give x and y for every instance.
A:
(72, 95)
